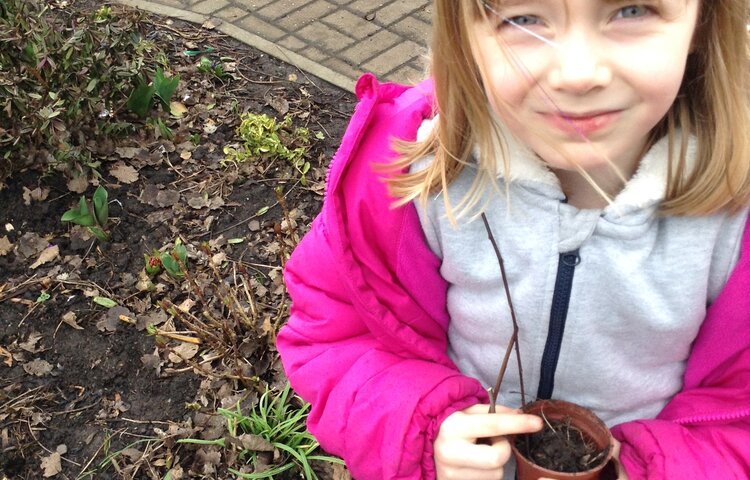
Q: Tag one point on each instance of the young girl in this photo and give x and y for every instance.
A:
(605, 144)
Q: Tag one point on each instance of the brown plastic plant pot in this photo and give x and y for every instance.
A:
(581, 418)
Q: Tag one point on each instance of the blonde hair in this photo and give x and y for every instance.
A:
(712, 105)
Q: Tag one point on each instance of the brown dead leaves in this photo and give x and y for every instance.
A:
(124, 173)
(5, 246)
(51, 464)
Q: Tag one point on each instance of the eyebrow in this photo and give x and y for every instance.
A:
(513, 3)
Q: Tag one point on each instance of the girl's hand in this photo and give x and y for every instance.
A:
(458, 456)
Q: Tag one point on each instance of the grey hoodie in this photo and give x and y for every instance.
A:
(637, 285)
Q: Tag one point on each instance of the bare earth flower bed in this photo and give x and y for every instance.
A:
(89, 389)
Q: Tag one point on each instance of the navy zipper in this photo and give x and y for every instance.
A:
(558, 314)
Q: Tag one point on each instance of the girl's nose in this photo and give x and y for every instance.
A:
(579, 65)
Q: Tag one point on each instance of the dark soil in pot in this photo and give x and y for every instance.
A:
(574, 443)
(561, 447)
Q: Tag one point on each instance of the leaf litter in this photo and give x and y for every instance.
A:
(119, 364)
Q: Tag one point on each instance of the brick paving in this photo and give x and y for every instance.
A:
(336, 40)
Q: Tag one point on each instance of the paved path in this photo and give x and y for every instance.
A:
(335, 40)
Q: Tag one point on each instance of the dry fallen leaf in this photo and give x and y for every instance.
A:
(144, 283)
(31, 244)
(70, 319)
(132, 453)
(155, 318)
(210, 126)
(124, 173)
(167, 198)
(183, 351)
(8, 357)
(38, 194)
(150, 360)
(78, 184)
(186, 305)
(30, 344)
(5, 245)
(111, 318)
(49, 254)
(131, 152)
(177, 472)
(256, 443)
(210, 460)
(267, 326)
(340, 472)
(219, 258)
(177, 109)
(51, 465)
(278, 103)
(211, 23)
(198, 201)
(38, 367)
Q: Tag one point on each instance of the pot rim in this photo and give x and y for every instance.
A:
(588, 416)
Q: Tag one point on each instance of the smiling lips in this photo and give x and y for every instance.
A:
(581, 124)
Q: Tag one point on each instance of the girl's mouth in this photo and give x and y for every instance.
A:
(584, 124)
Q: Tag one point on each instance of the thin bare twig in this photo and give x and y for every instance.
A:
(514, 337)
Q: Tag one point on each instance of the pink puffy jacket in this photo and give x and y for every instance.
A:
(366, 341)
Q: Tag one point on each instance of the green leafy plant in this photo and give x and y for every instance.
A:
(94, 217)
(216, 69)
(173, 261)
(64, 79)
(144, 95)
(275, 426)
(103, 14)
(266, 139)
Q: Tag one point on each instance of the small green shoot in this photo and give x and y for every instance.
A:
(152, 263)
(216, 69)
(104, 14)
(173, 261)
(144, 95)
(93, 217)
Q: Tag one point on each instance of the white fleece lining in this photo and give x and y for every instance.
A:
(647, 186)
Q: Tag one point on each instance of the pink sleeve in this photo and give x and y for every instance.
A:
(663, 449)
(704, 431)
(702, 434)
(378, 410)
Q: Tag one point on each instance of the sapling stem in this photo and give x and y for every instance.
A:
(514, 337)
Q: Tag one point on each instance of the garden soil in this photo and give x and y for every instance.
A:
(95, 381)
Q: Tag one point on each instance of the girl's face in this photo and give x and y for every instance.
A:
(584, 79)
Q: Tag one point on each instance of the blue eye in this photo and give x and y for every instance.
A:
(522, 20)
(632, 11)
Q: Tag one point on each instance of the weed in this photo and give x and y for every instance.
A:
(93, 217)
(216, 69)
(274, 427)
(266, 139)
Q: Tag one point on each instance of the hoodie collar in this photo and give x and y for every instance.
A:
(645, 190)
